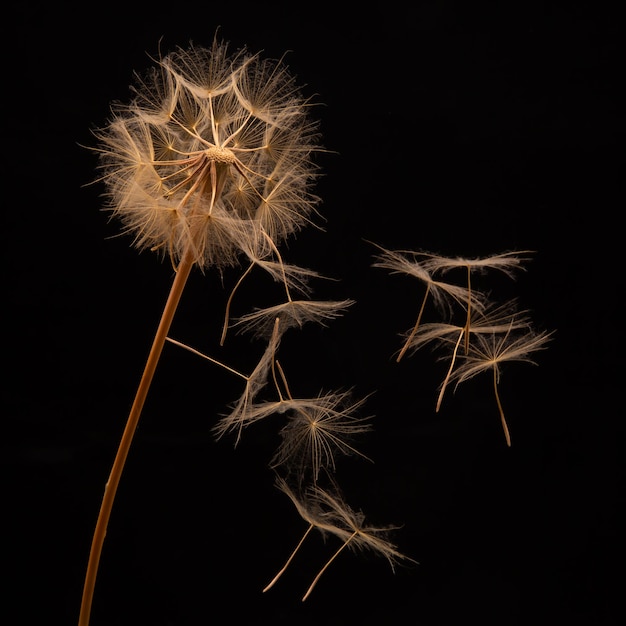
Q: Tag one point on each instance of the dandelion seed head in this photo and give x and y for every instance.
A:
(213, 149)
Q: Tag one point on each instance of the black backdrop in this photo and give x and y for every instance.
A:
(460, 128)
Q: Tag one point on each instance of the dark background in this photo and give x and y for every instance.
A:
(461, 128)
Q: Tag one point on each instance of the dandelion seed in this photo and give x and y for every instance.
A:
(490, 351)
(292, 313)
(328, 513)
(350, 527)
(493, 319)
(317, 430)
(421, 265)
(242, 413)
(506, 262)
(268, 258)
(311, 513)
(293, 277)
(347, 522)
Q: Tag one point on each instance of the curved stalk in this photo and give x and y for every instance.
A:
(469, 308)
(447, 378)
(110, 490)
(291, 557)
(417, 323)
(332, 558)
(229, 302)
(507, 435)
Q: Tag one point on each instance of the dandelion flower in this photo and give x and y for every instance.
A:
(212, 158)
(213, 147)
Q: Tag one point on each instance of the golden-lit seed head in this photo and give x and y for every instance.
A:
(212, 154)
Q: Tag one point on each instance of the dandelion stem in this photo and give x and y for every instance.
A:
(417, 323)
(293, 554)
(110, 490)
(502, 418)
(332, 558)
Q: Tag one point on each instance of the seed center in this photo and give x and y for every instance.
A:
(219, 155)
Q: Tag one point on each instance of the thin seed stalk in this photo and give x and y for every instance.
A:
(291, 557)
(447, 378)
(417, 323)
(469, 308)
(332, 558)
(507, 435)
(110, 490)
